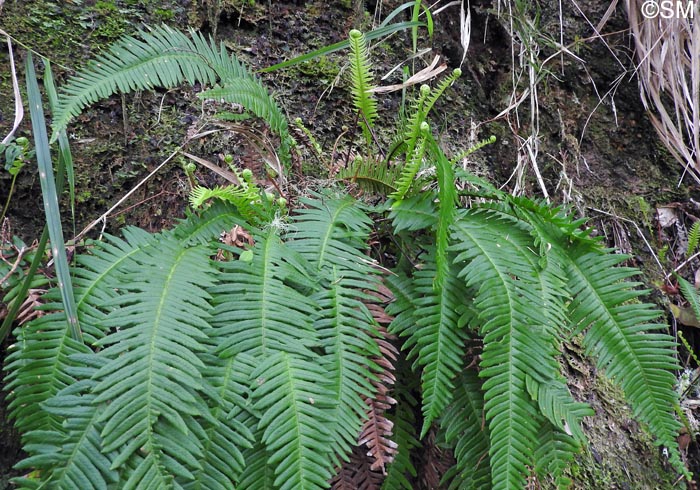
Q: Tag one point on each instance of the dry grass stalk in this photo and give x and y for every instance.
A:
(668, 58)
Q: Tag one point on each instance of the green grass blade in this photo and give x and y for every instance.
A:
(64, 154)
(50, 197)
(375, 34)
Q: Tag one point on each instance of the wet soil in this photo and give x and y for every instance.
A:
(596, 149)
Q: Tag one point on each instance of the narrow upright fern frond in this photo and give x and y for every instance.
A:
(693, 238)
(361, 79)
(447, 207)
(412, 166)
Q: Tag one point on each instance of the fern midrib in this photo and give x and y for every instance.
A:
(329, 234)
(512, 381)
(78, 444)
(297, 421)
(152, 414)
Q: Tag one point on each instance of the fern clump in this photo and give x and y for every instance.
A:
(269, 364)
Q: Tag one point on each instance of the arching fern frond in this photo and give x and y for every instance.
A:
(331, 234)
(370, 175)
(464, 430)
(497, 258)
(435, 334)
(275, 313)
(164, 57)
(294, 400)
(71, 456)
(624, 337)
(44, 347)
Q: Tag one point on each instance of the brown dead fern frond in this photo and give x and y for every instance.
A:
(668, 65)
(377, 431)
(357, 474)
(30, 306)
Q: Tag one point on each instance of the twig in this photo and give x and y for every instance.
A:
(683, 264)
(639, 232)
(20, 254)
(103, 216)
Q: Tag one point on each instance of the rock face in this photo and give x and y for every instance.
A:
(569, 123)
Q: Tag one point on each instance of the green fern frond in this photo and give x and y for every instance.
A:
(690, 294)
(420, 109)
(230, 432)
(258, 474)
(622, 334)
(476, 147)
(414, 213)
(435, 335)
(693, 238)
(405, 435)
(152, 385)
(70, 456)
(246, 198)
(39, 361)
(163, 57)
(361, 80)
(294, 401)
(463, 429)
(412, 166)
(498, 260)
(331, 234)
(418, 114)
(371, 175)
(275, 313)
(554, 453)
(166, 57)
(447, 207)
(252, 95)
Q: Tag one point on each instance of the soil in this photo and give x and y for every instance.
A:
(597, 149)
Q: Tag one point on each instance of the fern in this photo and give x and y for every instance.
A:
(361, 78)
(693, 238)
(370, 176)
(165, 57)
(463, 428)
(257, 371)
